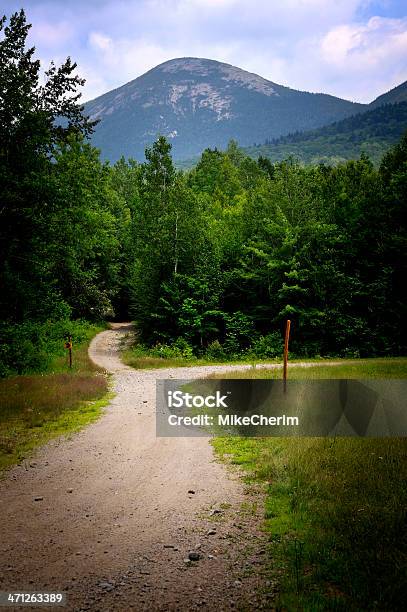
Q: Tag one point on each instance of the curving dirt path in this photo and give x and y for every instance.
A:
(117, 521)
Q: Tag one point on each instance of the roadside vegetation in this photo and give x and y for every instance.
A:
(181, 354)
(335, 508)
(388, 367)
(37, 407)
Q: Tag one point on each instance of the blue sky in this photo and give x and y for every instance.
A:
(355, 49)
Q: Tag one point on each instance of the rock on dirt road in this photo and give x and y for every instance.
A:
(107, 515)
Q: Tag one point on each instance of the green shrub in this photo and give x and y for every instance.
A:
(165, 351)
(181, 349)
(185, 349)
(269, 346)
(215, 351)
(239, 332)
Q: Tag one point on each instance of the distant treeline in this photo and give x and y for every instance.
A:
(213, 260)
(387, 120)
(371, 132)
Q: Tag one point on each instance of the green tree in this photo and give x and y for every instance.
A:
(34, 117)
(84, 230)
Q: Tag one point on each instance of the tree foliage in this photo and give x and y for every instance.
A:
(323, 246)
(58, 236)
(60, 216)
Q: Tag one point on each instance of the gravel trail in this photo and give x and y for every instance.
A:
(116, 517)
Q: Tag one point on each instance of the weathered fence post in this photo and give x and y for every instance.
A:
(286, 339)
(68, 345)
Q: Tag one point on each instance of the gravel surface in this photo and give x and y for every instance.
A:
(122, 520)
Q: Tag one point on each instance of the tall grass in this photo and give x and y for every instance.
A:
(335, 512)
(36, 407)
(386, 367)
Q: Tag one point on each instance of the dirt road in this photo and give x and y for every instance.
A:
(115, 517)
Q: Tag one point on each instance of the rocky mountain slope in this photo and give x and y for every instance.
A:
(199, 103)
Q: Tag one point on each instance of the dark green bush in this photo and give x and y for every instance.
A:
(215, 351)
(269, 346)
(180, 349)
(239, 333)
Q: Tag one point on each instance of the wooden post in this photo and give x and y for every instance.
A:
(68, 345)
(287, 337)
(70, 352)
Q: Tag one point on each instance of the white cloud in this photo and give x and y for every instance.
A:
(361, 46)
(100, 41)
(307, 44)
(371, 57)
(121, 60)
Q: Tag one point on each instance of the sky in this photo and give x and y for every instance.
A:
(354, 49)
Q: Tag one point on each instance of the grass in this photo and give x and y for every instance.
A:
(340, 368)
(148, 362)
(142, 358)
(335, 508)
(35, 408)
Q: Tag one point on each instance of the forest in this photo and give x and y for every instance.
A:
(372, 132)
(209, 262)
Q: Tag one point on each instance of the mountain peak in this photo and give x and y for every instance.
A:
(199, 103)
(201, 67)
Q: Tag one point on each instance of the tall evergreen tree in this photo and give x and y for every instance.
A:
(34, 117)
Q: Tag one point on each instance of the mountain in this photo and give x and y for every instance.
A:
(200, 103)
(397, 94)
(371, 132)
